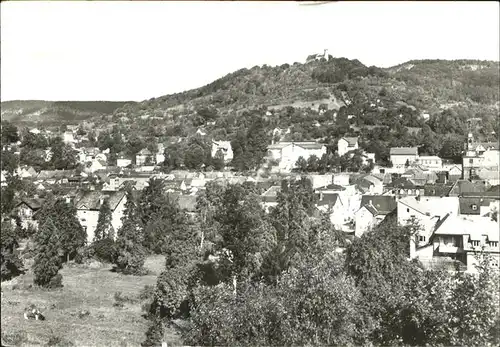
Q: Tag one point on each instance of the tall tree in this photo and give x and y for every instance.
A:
(104, 227)
(10, 133)
(129, 244)
(10, 262)
(246, 236)
(47, 258)
(63, 156)
(71, 234)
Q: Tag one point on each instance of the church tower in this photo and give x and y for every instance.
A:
(471, 161)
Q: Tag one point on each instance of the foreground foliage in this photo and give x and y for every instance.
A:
(279, 279)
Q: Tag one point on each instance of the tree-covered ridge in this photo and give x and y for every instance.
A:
(56, 112)
(317, 90)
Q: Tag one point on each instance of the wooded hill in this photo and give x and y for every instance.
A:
(31, 112)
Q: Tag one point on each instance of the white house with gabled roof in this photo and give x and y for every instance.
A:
(287, 153)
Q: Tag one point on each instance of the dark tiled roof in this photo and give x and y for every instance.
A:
(437, 189)
(404, 183)
(371, 209)
(351, 141)
(331, 187)
(469, 206)
(91, 200)
(383, 203)
(329, 199)
(464, 186)
(33, 203)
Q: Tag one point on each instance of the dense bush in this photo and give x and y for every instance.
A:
(104, 250)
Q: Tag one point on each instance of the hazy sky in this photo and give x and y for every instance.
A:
(138, 50)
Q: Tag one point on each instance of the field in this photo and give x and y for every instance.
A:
(85, 288)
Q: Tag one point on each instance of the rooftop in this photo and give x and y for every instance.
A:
(305, 145)
(384, 204)
(351, 141)
(404, 151)
(91, 200)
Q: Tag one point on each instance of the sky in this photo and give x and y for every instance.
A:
(126, 51)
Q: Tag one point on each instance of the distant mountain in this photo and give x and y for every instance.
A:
(30, 112)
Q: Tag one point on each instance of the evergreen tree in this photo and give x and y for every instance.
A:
(71, 234)
(47, 259)
(129, 244)
(104, 228)
(10, 262)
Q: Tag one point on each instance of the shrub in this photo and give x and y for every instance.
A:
(84, 254)
(56, 340)
(104, 250)
(147, 293)
(17, 338)
(55, 282)
(121, 299)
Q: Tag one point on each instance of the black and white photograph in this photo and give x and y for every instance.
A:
(250, 173)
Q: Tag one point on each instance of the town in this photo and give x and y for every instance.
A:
(446, 199)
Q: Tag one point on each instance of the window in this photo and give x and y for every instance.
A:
(475, 243)
(408, 210)
(421, 238)
(474, 207)
(471, 161)
(493, 244)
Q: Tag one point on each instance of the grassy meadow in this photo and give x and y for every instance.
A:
(90, 288)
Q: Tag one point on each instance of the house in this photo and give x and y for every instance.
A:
(402, 156)
(88, 205)
(123, 162)
(454, 172)
(373, 210)
(479, 155)
(347, 144)
(437, 189)
(95, 165)
(478, 206)
(68, 137)
(26, 211)
(144, 156)
(287, 153)
(403, 186)
(27, 172)
(369, 184)
(426, 211)
(270, 197)
(460, 239)
(224, 147)
(431, 162)
(318, 181)
(420, 175)
(464, 186)
(341, 179)
(160, 154)
(55, 176)
(333, 206)
(491, 177)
